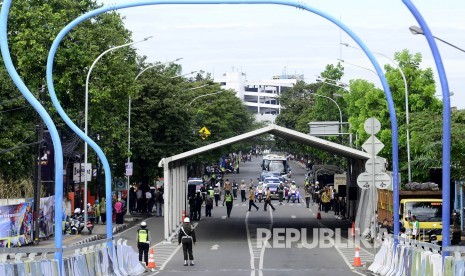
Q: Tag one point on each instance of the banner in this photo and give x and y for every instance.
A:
(46, 216)
(16, 224)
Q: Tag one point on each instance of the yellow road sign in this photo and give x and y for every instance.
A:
(204, 132)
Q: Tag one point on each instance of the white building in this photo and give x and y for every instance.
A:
(261, 97)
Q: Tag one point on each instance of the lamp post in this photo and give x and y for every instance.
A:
(333, 83)
(417, 30)
(340, 112)
(86, 109)
(201, 96)
(406, 107)
(129, 128)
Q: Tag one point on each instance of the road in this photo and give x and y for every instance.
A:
(233, 246)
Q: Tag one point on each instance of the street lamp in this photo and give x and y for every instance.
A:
(406, 106)
(417, 30)
(86, 109)
(334, 83)
(201, 96)
(368, 69)
(129, 124)
(340, 112)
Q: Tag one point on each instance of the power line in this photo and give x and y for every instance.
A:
(13, 109)
(22, 146)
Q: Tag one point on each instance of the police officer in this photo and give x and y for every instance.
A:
(143, 242)
(235, 186)
(186, 236)
(228, 198)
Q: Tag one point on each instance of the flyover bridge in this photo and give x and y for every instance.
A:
(175, 167)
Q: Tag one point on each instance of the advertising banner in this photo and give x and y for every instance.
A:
(16, 224)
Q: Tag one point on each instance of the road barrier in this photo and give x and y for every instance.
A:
(92, 259)
(414, 258)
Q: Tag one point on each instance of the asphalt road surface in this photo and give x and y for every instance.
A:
(235, 245)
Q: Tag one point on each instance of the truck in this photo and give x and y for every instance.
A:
(426, 205)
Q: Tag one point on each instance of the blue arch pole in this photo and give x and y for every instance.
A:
(445, 123)
(98, 11)
(48, 122)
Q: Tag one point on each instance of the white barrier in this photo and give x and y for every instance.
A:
(94, 260)
(413, 258)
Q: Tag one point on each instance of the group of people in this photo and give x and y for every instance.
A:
(327, 199)
(146, 199)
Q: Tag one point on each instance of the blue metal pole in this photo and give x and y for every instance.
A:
(445, 126)
(48, 122)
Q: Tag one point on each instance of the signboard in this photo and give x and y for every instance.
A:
(328, 128)
(375, 165)
(372, 125)
(382, 180)
(373, 145)
(80, 171)
(365, 180)
(128, 168)
(204, 133)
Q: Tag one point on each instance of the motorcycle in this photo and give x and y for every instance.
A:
(294, 195)
(259, 195)
(76, 222)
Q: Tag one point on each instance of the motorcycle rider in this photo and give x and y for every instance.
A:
(259, 192)
(281, 192)
(293, 190)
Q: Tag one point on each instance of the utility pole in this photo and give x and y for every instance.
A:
(38, 168)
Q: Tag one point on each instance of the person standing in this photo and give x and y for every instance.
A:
(119, 212)
(228, 198)
(208, 205)
(252, 198)
(243, 188)
(139, 199)
(192, 206)
(132, 199)
(97, 211)
(268, 199)
(281, 192)
(326, 199)
(198, 205)
(186, 236)
(308, 194)
(415, 227)
(143, 242)
(234, 187)
(103, 210)
(217, 192)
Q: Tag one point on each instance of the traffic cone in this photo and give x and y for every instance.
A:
(357, 260)
(352, 231)
(318, 215)
(152, 265)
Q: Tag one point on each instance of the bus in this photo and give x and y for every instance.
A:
(277, 164)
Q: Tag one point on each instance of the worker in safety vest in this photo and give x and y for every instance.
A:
(228, 198)
(143, 242)
(186, 236)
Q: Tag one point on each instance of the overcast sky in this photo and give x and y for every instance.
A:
(267, 40)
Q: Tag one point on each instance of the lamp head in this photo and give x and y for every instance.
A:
(415, 30)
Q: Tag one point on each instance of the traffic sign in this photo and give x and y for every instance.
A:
(382, 180)
(365, 180)
(128, 169)
(375, 165)
(372, 125)
(373, 149)
(204, 132)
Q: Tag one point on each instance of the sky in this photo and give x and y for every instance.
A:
(267, 40)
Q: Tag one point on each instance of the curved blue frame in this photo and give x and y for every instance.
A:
(90, 14)
(445, 125)
(47, 120)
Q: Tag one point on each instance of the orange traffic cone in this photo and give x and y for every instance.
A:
(352, 232)
(152, 265)
(357, 260)
(318, 215)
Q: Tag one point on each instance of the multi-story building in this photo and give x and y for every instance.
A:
(261, 97)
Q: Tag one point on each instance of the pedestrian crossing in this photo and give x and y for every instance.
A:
(274, 203)
(163, 253)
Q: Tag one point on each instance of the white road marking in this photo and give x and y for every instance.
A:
(223, 217)
(215, 247)
(293, 216)
(249, 242)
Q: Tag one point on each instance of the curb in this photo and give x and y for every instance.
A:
(116, 229)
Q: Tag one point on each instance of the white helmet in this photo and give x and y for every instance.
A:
(187, 220)
(77, 210)
(143, 224)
